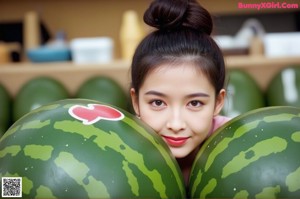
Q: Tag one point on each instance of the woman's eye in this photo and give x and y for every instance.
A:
(195, 103)
(157, 103)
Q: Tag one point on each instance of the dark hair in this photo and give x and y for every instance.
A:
(184, 29)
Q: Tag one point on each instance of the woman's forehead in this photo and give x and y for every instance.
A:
(183, 75)
(181, 67)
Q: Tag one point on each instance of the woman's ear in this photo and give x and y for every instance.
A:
(135, 101)
(220, 102)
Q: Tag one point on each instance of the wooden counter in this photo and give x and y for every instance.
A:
(13, 76)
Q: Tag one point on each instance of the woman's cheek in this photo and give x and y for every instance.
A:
(154, 121)
(200, 124)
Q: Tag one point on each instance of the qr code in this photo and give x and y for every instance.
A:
(11, 187)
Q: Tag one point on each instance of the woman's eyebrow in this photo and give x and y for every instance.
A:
(151, 92)
(200, 94)
(192, 95)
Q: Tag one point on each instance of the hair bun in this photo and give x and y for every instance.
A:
(176, 14)
(165, 14)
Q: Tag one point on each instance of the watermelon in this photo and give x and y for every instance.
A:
(5, 110)
(103, 89)
(243, 94)
(37, 92)
(255, 155)
(284, 88)
(77, 148)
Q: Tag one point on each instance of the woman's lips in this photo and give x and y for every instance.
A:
(175, 141)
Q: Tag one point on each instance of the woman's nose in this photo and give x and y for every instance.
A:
(176, 122)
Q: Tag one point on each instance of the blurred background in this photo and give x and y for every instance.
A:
(72, 41)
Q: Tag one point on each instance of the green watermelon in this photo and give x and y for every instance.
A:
(284, 88)
(77, 148)
(5, 110)
(255, 155)
(243, 94)
(103, 89)
(37, 92)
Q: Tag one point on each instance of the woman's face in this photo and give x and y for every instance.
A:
(179, 103)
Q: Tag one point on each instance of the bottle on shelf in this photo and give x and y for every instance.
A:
(31, 30)
(131, 33)
(4, 53)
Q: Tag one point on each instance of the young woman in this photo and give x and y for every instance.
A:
(178, 76)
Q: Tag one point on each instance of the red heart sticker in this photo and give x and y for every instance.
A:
(92, 113)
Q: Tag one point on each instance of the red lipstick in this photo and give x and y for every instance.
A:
(175, 141)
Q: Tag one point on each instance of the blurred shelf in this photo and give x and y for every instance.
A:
(28, 67)
(13, 76)
(241, 61)
(259, 61)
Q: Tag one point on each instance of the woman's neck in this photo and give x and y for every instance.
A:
(186, 163)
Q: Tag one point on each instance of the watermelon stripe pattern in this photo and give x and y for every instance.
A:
(164, 153)
(58, 156)
(103, 141)
(38, 152)
(253, 156)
